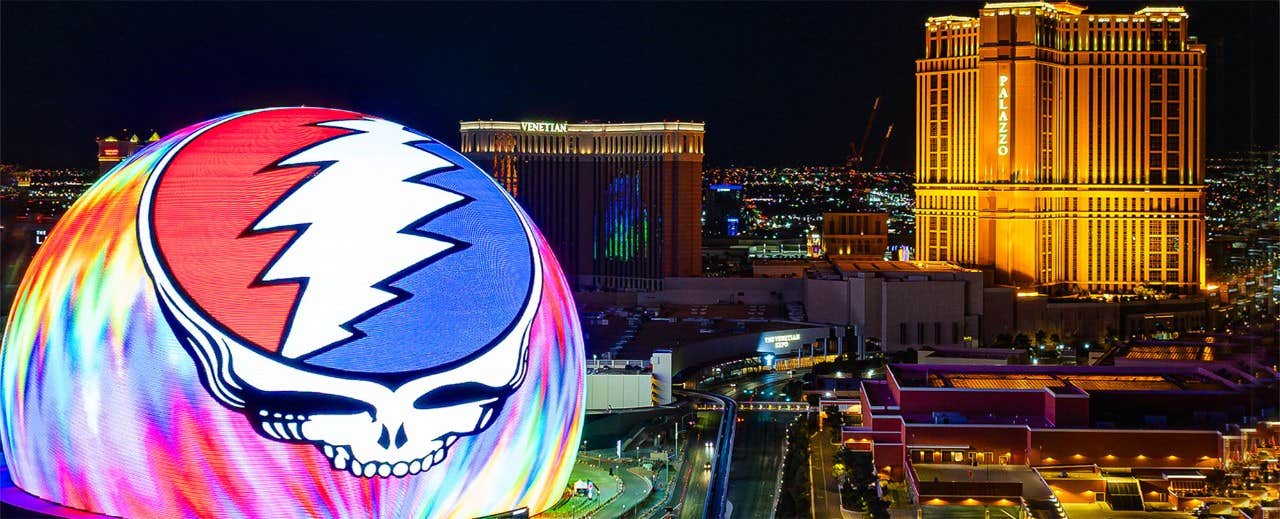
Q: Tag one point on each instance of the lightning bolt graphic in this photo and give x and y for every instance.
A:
(357, 221)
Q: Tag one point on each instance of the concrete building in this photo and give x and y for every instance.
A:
(855, 236)
(1063, 151)
(900, 304)
(617, 384)
(620, 204)
(663, 368)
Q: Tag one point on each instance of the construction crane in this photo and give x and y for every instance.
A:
(883, 145)
(858, 149)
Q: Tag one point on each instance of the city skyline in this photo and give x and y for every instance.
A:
(794, 88)
(663, 260)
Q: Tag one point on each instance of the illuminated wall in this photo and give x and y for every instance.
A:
(293, 313)
(625, 220)
(620, 203)
(855, 236)
(1063, 150)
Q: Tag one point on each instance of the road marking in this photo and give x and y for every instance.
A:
(813, 489)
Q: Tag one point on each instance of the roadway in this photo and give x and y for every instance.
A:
(691, 482)
(721, 454)
(756, 454)
(758, 446)
(757, 463)
(824, 487)
(746, 388)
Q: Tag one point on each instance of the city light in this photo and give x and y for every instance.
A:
(1066, 257)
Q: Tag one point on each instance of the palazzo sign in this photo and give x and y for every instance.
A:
(1002, 102)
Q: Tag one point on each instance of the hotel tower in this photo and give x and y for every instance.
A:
(620, 204)
(1063, 151)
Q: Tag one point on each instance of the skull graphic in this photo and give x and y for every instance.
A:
(369, 423)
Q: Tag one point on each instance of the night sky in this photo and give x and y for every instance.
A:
(777, 84)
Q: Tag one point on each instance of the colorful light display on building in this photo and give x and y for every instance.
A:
(293, 312)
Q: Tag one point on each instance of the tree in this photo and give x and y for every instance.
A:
(1216, 480)
(1040, 336)
(1022, 341)
(839, 472)
(1003, 340)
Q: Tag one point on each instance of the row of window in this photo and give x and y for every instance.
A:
(649, 143)
(929, 333)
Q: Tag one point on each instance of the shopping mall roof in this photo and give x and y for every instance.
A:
(850, 266)
(1162, 377)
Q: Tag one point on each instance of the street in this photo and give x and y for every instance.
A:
(689, 484)
(758, 445)
(826, 498)
(757, 461)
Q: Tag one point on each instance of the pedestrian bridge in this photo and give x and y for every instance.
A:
(776, 407)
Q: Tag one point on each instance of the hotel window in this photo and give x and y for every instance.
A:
(902, 333)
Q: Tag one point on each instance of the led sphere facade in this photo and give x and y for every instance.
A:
(293, 312)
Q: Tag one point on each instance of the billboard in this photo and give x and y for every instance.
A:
(293, 312)
(785, 342)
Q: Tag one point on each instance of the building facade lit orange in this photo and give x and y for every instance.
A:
(855, 236)
(1063, 151)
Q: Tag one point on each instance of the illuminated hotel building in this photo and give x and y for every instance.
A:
(1063, 151)
(620, 204)
(112, 150)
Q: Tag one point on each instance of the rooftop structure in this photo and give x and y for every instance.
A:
(1063, 379)
(854, 267)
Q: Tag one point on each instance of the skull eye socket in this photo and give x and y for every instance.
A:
(308, 403)
(458, 394)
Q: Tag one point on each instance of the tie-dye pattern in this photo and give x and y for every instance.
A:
(102, 410)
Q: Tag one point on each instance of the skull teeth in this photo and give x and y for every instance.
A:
(282, 426)
(341, 458)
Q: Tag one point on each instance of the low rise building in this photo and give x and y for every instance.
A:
(899, 304)
(617, 384)
(1146, 422)
(855, 236)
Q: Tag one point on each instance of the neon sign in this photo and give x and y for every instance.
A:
(550, 127)
(1002, 144)
(266, 354)
(782, 341)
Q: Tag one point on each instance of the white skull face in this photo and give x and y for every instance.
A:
(371, 425)
(362, 426)
(367, 428)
